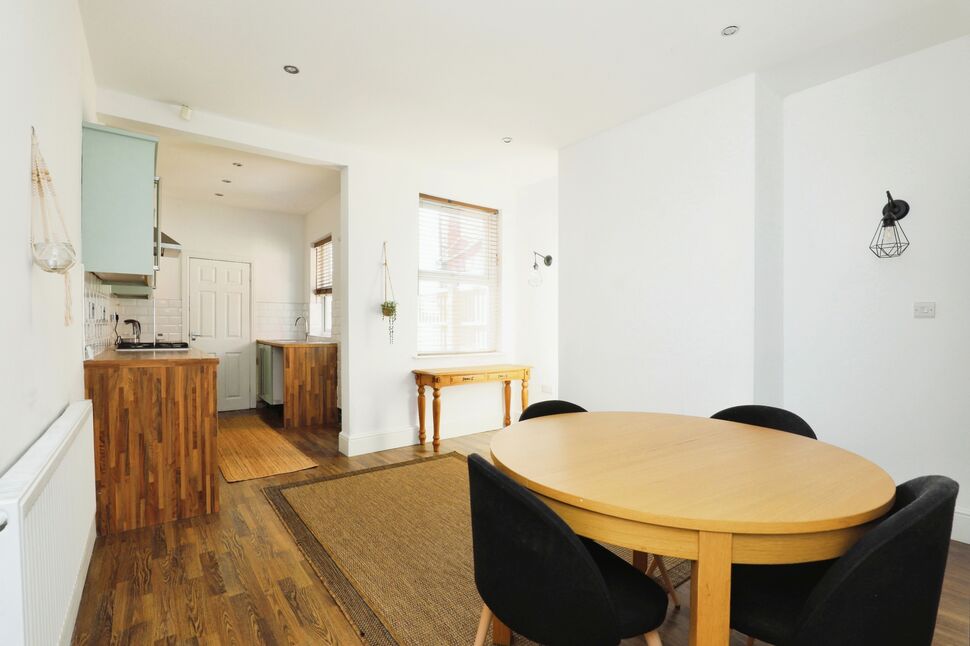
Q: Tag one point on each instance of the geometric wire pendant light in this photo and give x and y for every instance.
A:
(889, 240)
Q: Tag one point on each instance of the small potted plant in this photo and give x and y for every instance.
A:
(389, 309)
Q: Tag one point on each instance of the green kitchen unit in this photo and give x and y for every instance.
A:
(118, 204)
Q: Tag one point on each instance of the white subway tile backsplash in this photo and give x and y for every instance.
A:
(272, 320)
(99, 305)
(276, 320)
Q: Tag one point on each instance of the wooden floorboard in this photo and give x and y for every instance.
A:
(236, 577)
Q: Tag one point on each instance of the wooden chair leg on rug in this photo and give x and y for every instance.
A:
(658, 561)
(750, 641)
(483, 623)
(653, 639)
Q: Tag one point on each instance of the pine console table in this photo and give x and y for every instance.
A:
(443, 377)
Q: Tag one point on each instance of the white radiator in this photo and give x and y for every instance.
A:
(47, 513)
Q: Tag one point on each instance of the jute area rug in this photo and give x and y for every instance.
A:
(393, 546)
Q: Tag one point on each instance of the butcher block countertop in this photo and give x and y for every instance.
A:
(130, 359)
(283, 343)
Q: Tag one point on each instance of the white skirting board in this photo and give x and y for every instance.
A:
(961, 525)
(360, 444)
(47, 502)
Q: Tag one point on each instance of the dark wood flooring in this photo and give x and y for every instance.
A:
(236, 577)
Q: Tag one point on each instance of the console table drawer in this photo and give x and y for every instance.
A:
(456, 380)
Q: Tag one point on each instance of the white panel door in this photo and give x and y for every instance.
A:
(219, 324)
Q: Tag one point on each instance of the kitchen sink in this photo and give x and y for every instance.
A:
(131, 346)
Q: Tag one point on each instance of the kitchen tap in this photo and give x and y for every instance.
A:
(306, 327)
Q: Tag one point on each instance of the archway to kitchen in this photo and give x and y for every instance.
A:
(248, 273)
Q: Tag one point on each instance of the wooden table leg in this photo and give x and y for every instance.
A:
(421, 407)
(508, 402)
(436, 417)
(501, 634)
(710, 591)
(525, 393)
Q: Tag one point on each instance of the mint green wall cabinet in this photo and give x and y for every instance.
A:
(117, 203)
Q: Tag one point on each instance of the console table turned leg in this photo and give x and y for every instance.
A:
(508, 402)
(436, 418)
(525, 391)
(421, 426)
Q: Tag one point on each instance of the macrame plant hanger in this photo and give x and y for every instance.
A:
(55, 254)
(389, 306)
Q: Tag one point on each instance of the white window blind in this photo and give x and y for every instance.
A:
(458, 277)
(323, 266)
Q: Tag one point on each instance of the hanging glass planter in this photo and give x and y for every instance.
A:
(889, 240)
(54, 253)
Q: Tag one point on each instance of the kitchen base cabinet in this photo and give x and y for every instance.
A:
(156, 432)
(309, 381)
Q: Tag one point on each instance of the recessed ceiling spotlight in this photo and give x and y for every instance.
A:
(219, 195)
(507, 140)
(227, 181)
(730, 30)
(237, 164)
(291, 69)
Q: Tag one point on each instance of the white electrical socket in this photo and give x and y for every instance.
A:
(924, 310)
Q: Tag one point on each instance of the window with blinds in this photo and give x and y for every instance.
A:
(321, 281)
(458, 277)
(323, 266)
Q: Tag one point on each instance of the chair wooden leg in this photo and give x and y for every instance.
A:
(750, 641)
(653, 639)
(483, 623)
(653, 564)
(666, 579)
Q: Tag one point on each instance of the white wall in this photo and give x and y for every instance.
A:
(657, 238)
(47, 82)
(768, 248)
(537, 307)
(379, 196)
(383, 369)
(273, 241)
(858, 367)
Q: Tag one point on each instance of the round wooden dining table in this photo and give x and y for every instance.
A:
(712, 491)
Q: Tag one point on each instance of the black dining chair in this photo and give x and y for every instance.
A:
(641, 560)
(885, 591)
(546, 583)
(550, 407)
(768, 417)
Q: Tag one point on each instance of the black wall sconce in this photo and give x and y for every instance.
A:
(889, 240)
(535, 279)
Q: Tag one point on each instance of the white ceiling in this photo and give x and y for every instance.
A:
(450, 78)
(193, 170)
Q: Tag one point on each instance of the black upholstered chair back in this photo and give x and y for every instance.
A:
(550, 407)
(886, 589)
(531, 570)
(768, 417)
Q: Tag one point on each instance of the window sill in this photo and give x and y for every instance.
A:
(457, 355)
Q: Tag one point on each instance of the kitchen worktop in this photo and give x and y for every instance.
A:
(112, 357)
(294, 343)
